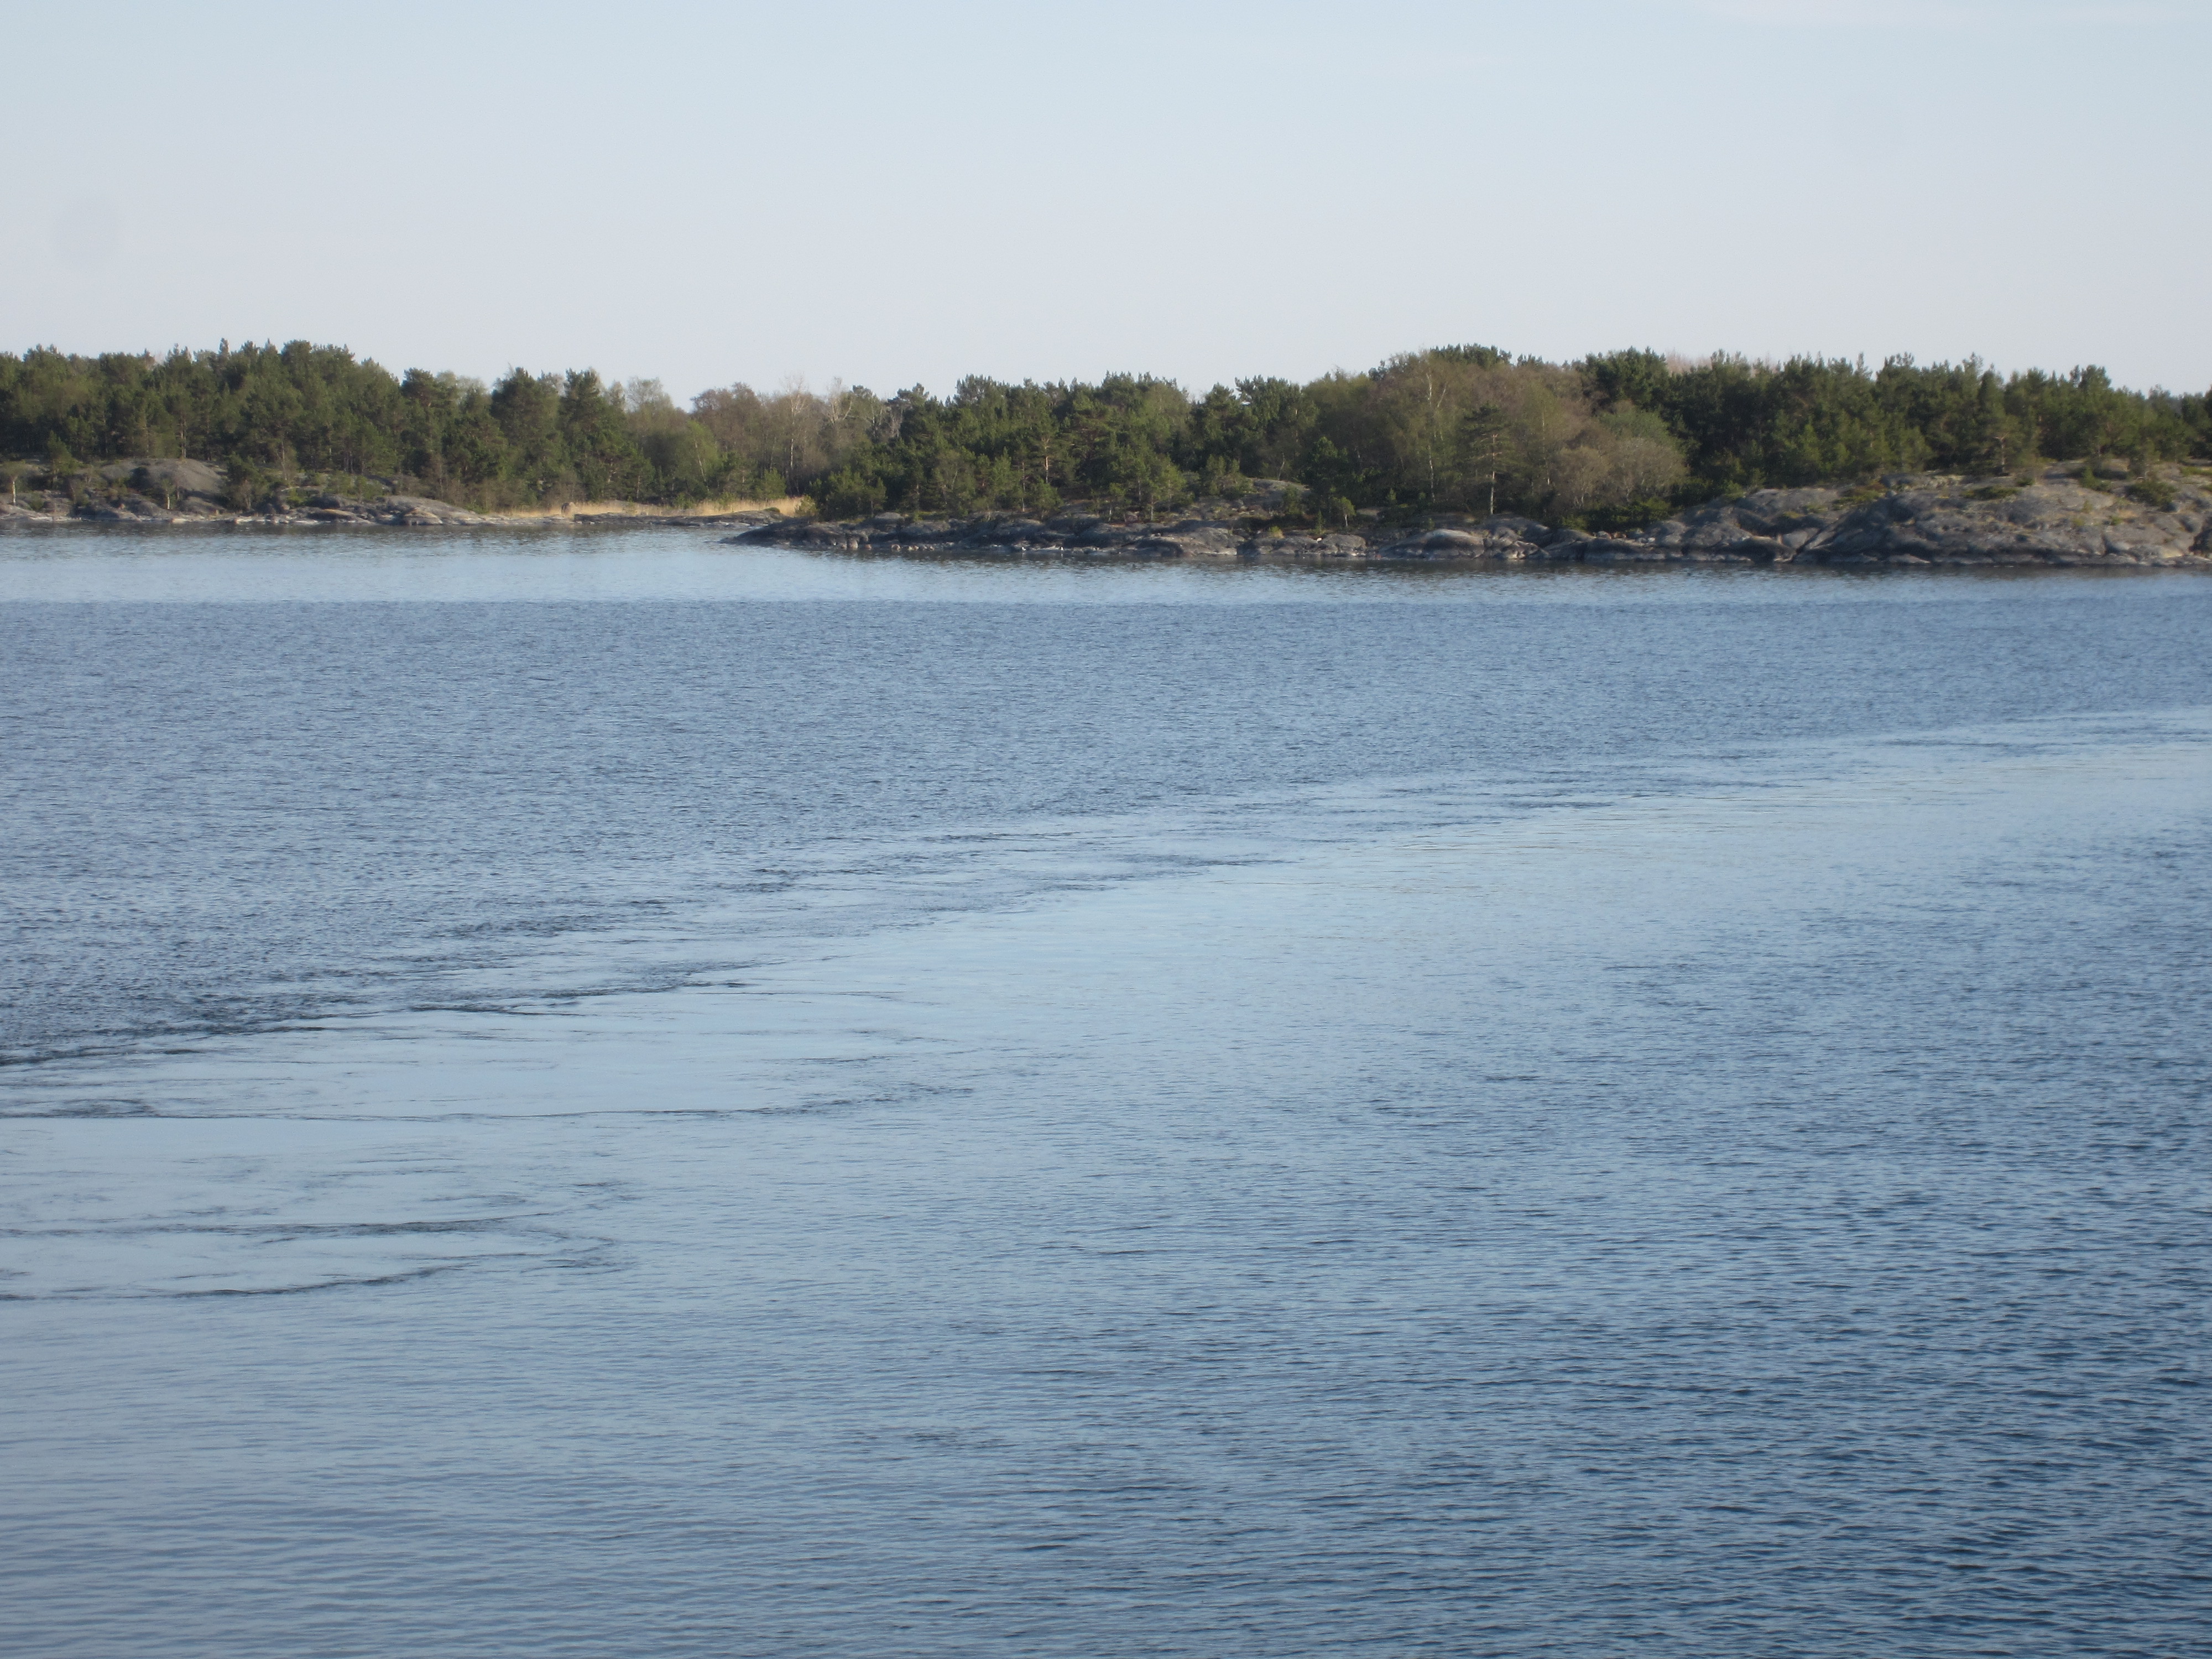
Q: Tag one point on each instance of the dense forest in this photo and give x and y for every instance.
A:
(1612, 438)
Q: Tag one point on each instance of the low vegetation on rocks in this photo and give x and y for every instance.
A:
(2086, 514)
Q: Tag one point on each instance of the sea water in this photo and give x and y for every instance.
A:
(612, 1095)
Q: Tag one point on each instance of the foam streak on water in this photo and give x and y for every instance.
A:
(1481, 1117)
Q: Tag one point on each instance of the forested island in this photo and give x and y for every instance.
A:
(1503, 453)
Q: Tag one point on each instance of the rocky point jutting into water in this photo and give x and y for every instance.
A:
(2065, 516)
(171, 491)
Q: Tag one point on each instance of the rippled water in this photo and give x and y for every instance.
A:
(610, 1094)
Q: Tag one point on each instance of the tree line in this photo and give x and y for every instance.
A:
(1616, 437)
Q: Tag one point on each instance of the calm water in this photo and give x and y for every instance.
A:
(613, 1096)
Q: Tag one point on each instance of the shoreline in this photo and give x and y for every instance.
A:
(2055, 519)
(2064, 517)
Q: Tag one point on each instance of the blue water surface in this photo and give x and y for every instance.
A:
(606, 1094)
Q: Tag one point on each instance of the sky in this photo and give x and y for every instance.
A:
(902, 194)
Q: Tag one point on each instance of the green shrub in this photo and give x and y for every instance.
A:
(242, 485)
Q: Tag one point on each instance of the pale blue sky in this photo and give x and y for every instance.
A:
(902, 193)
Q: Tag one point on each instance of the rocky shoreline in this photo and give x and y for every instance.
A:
(192, 492)
(2063, 516)
(2057, 518)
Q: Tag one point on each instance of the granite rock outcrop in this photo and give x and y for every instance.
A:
(2064, 517)
(2070, 517)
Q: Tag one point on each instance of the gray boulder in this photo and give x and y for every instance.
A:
(827, 537)
(413, 510)
(1199, 539)
(1780, 513)
(131, 509)
(1446, 543)
(1497, 539)
(161, 474)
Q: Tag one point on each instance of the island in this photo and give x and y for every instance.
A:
(1453, 453)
